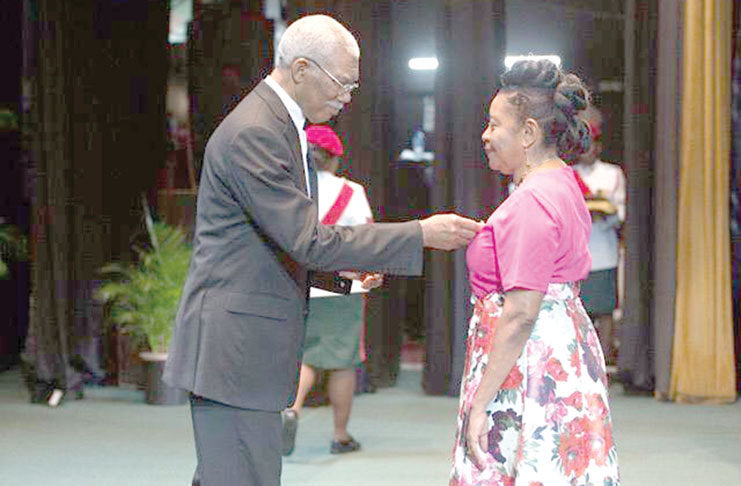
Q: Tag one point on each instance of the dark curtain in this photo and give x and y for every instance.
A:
(367, 128)
(13, 198)
(94, 135)
(736, 186)
(229, 51)
(637, 342)
(666, 173)
(470, 50)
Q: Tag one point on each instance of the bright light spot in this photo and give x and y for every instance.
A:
(509, 61)
(423, 63)
(181, 12)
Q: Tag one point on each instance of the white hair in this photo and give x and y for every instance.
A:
(317, 37)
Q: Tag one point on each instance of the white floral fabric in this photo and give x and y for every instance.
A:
(550, 421)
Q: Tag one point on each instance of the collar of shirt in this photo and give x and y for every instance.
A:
(587, 169)
(298, 118)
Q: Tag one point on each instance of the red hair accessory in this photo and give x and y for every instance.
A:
(595, 129)
(326, 138)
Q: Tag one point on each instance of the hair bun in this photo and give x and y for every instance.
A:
(571, 96)
(542, 74)
(554, 99)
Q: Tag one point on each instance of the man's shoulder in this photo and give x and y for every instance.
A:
(257, 112)
(261, 106)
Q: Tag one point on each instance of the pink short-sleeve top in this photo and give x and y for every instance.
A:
(537, 236)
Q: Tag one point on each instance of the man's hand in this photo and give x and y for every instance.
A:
(448, 231)
(367, 280)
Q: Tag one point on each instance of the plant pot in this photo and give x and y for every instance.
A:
(158, 392)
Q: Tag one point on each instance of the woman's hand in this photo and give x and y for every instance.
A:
(371, 281)
(477, 436)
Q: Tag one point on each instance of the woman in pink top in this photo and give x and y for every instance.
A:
(533, 408)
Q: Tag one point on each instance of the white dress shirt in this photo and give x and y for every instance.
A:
(358, 211)
(298, 119)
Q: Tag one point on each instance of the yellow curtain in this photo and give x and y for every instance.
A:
(702, 358)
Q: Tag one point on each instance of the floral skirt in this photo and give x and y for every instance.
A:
(549, 424)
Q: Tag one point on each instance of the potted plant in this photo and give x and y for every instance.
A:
(12, 247)
(143, 299)
(13, 283)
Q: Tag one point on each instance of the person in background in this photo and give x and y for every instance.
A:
(605, 194)
(534, 404)
(335, 322)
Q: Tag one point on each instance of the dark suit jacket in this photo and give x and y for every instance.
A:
(238, 337)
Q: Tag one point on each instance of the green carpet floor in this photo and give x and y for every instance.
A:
(112, 438)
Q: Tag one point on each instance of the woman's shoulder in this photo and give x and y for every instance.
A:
(548, 192)
(526, 203)
(554, 184)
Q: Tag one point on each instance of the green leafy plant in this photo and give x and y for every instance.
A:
(13, 246)
(144, 296)
(8, 120)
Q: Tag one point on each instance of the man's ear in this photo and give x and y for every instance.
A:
(299, 70)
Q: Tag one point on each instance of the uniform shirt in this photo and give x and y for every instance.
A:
(608, 181)
(358, 211)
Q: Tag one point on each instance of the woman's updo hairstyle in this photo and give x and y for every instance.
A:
(553, 99)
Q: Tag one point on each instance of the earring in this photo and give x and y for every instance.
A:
(527, 170)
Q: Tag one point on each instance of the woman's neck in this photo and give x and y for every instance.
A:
(545, 162)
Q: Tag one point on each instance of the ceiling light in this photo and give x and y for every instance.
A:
(423, 63)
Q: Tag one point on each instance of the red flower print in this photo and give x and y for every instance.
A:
(600, 442)
(573, 450)
(554, 368)
(579, 426)
(513, 380)
(507, 480)
(555, 412)
(596, 405)
(574, 400)
(575, 361)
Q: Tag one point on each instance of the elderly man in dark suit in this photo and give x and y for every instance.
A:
(238, 337)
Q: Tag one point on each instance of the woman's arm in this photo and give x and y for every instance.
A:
(518, 318)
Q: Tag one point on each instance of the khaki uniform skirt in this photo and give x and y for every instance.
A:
(333, 332)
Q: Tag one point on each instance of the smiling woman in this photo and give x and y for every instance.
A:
(534, 391)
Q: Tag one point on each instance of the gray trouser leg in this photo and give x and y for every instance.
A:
(236, 446)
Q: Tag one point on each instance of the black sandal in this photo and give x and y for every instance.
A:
(343, 446)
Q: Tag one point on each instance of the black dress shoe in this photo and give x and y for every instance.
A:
(289, 419)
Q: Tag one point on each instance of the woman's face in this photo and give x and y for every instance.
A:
(502, 136)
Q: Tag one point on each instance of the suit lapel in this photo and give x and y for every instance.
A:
(289, 131)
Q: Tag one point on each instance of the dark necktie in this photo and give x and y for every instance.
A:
(313, 182)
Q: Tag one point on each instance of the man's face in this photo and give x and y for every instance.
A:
(321, 97)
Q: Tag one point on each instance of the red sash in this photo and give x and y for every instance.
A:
(339, 206)
(582, 185)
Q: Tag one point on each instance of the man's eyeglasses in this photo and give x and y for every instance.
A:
(346, 88)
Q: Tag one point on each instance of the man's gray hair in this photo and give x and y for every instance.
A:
(317, 37)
